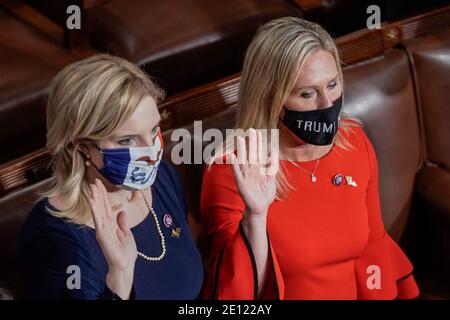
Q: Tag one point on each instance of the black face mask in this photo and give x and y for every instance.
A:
(316, 127)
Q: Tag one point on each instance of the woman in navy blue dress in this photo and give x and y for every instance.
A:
(114, 223)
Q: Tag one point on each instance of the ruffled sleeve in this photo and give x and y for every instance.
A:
(383, 271)
(231, 271)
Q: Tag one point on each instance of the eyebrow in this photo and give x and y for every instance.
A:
(300, 88)
(136, 135)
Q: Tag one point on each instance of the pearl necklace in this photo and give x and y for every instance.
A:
(161, 235)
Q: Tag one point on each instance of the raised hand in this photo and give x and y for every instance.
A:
(256, 182)
(254, 173)
(115, 239)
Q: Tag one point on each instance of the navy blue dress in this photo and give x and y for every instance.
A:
(49, 245)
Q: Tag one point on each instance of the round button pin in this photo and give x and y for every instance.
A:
(337, 179)
(168, 220)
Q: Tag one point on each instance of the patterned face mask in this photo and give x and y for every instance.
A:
(134, 167)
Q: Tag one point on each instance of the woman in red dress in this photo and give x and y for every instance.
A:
(310, 226)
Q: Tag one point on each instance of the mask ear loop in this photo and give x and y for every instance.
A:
(160, 137)
(342, 106)
(284, 109)
(96, 146)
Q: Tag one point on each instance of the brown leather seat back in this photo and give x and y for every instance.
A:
(191, 173)
(430, 56)
(380, 92)
(206, 39)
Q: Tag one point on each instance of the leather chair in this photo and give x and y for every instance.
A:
(430, 62)
(380, 92)
(430, 65)
(182, 43)
(28, 61)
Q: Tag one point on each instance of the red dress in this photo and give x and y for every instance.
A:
(325, 241)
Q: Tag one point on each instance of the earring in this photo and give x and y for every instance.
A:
(87, 162)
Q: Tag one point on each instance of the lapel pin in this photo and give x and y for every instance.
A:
(350, 181)
(337, 179)
(168, 220)
(176, 232)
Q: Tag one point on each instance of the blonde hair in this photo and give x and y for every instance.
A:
(88, 99)
(271, 67)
